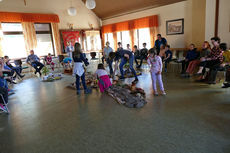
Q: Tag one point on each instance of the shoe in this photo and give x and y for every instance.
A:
(165, 70)
(163, 93)
(35, 72)
(211, 83)
(78, 92)
(156, 94)
(135, 81)
(13, 82)
(22, 76)
(88, 91)
(121, 78)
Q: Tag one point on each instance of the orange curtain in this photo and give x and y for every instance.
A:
(29, 36)
(1, 39)
(153, 35)
(28, 17)
(56, 38)
(146, 22)
(115, 40)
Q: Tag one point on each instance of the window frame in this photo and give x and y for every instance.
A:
(46, 32)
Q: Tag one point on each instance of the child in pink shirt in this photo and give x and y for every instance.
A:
(104, 80)
(49, 61)
(156, 65)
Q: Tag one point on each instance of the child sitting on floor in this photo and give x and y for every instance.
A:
(103, 77)
(49, 61)
(155, 63)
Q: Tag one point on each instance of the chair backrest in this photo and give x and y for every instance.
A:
(18, 62)
(61, 58)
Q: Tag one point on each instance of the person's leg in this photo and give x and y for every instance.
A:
(159, 79)
(227, 75)
(131, 67)
(78, 83)
(40, 66)
(154, 82)
(213, 73)
(110, 63)
(17, 70)
(123, 61)
(103, 60)
(4, 93)
(83, 81)
(135, 58)
(34, 65)
(141, 58)
(183, 66)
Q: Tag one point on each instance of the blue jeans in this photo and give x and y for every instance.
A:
(110, 63)
(38, 66)
(82, 80)
(123, 61)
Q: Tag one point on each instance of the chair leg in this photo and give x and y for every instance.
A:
(5, 109)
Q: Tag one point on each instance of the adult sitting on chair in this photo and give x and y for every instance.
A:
(126, 56)
(34, 61)
(144, 54)
(137, 54)
(17, 70)
(3, 88)
(226, 64)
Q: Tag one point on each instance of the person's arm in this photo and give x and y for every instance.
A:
(160, 65)
(149, 61)
(84, 60)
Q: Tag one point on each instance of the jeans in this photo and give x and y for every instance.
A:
(17, 70)
(38, 66)
(184, 66)
(4, 93)
(135, 58)
(167, 62)
(142, 58)
(123, 61)
(82, 80)
(110, 63)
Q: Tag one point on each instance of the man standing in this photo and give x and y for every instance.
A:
(160, 41)
(126, 56)
(34, 61)
(143, 54)
(106, 52)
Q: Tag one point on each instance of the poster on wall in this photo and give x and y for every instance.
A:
(69, 36)
(175, 27)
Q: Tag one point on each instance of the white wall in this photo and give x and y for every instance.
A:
(168, 12)
(224, 21)
(82, 20)
(210, 19)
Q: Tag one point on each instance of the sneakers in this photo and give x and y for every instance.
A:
(163, 93)
(135, 81)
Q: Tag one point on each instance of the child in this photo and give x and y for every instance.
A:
(3, 90)
(78, 58)
(104, 81)
(49, 61)
(156, 68)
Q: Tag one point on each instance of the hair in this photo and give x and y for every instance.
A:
(192, 45)
(128, 44)
(206, 42)
(216, 39)
(159, 34)
(77, 50)
(107, 42)
(100, 66)
(162, 45)
(119, 43)
(152, 51)
(145, 44)
(223, 46)
(167, 46)
(135, 46)
(49, 53)
(5, 57)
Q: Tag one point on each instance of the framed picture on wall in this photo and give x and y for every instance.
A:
(175, 27)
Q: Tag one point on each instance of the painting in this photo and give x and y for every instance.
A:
(175, 27)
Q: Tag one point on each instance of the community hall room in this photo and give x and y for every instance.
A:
(114, 76)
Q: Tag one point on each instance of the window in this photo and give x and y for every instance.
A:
(13, 40)
(143, 36)
(109, 38)
(125, 39)
(44, 39)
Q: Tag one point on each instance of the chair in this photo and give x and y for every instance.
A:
(4, 108)
(60, 59)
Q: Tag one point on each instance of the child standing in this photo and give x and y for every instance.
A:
(49, 61)
(79, 58)
(104, 80)
(155, 62)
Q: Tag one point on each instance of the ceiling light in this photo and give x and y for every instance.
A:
(90, 4)
(72, 11)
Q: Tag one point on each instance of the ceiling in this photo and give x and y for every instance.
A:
(111, 8)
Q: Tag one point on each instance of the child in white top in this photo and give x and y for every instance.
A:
(156, 65)
(104, 81)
